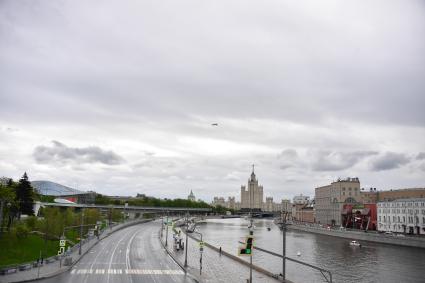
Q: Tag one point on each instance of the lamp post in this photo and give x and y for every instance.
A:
(201, 249)
(283, 223)
(81, 231)
(187, 227)
(166, 232)
(162, 225)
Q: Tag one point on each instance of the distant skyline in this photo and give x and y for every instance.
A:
(121, 97)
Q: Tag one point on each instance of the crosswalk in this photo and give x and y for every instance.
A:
(100, 271)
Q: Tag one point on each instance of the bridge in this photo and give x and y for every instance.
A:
(129, 208)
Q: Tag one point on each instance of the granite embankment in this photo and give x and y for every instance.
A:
(409, 241)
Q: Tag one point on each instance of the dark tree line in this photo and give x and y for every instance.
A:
(143, 200)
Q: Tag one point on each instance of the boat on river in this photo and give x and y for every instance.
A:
(355, 244)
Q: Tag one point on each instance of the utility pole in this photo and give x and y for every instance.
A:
(251, 228)
(162, 225)
(187, 227)
(283, 219)
(81, 230)
(166, 232)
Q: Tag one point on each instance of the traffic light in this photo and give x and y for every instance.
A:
(247, 250)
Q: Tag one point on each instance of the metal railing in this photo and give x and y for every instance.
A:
(322, 270)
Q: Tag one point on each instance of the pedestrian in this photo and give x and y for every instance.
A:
(220, 251)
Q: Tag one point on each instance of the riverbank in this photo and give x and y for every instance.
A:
(362, 236)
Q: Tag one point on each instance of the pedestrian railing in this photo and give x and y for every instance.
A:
(323, 271)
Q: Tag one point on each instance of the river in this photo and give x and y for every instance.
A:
(373, 262)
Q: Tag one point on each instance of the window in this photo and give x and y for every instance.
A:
(398, 219)
(380, 219)
(423, 220)
(385, 219)
(404, 219)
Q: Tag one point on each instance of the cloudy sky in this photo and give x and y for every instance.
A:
(119, 96)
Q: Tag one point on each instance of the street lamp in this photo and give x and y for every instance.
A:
(283, 225)
(166, 232)
(81, 231)
(201, 249)
(187, 227)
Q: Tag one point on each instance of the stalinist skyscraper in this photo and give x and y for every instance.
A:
(253, 197)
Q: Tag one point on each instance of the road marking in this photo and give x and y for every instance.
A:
(127, 271)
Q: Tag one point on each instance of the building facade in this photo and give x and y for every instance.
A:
(400, 194)
(252, 197)
(219, 201)
(286, 205)
(301, 199)
(405, 216)
(268, 205)
(330, 199)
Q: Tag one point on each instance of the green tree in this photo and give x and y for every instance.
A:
(25, 196)
(10, 208)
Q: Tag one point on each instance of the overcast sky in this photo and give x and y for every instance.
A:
(119, 96)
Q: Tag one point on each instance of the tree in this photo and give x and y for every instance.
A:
(25, 196)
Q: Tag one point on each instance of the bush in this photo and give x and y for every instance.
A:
(21, 231)
(31, 222)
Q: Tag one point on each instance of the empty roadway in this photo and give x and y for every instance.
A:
(133, 254)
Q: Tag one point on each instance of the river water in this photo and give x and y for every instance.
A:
(373, 262)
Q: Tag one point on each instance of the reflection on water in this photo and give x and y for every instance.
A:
(372, 263)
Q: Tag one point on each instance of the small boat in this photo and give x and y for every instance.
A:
(298, 253)
(268, 228)
(355, 243)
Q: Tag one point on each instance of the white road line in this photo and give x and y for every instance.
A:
(115, 271)
(127, 253)
(113, 253)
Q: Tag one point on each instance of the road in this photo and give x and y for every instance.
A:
(131, 255)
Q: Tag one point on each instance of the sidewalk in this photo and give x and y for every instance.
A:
(54, 268)
(215, 267)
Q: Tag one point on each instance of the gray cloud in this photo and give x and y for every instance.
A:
(306, 76)
(60, 153)
(335, 161)
(287, 158)
(420, 156)
(389, 160)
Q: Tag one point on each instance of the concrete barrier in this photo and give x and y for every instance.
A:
(8, 270)
(362, 236)
(25, 267)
